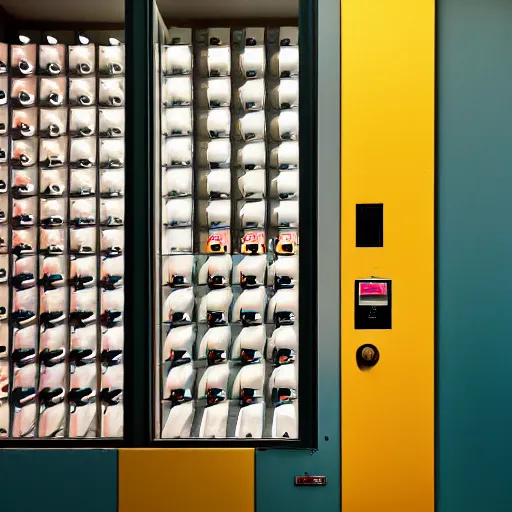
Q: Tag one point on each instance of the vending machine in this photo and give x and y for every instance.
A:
(159, 247)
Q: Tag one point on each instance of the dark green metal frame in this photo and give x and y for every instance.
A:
(308, 306)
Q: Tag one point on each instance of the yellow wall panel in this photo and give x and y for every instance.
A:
(186, 480)
(388, 157)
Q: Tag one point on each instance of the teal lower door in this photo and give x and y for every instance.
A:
(58, 480)
(474, 255)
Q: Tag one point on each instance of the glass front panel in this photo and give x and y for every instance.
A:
(62, 114)
(227, 208)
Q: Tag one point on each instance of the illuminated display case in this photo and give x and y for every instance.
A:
(234, 213)
(158, 225)
(61, 234)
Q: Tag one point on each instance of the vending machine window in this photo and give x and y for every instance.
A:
(234, 225)
(62, 188)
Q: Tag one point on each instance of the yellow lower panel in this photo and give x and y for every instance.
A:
(388, 157)
(186, 480)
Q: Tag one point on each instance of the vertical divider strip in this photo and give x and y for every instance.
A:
(37, 360)
(139, 287)
(98, 246)
(10, 256)
(67, 253)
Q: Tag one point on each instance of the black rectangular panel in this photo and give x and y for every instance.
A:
(369, 225)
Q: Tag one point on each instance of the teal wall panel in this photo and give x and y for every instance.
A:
(58, 480)
(474, 251)
(275, 469)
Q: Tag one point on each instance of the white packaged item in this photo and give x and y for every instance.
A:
(81, 59)
(219, 153)
(252, 94)
(82, 121)
(215, 344)
(179, 306)
(214, 307)
(218, 183)
(178, 60)
(251, 338)
(250, 272)
(252, 156)
(252, 184)
(250, 307)
(179, 422)
(177, 182)
(285, 422)
(178, 340)
(177, 121)
(218, 213)
(178, 212)
(178, 240)
(287, 184)
(219, 92)
(177, 151)
(111, 59)
(283, 307)
(285, 126)
(177, 91)
(250, 421)
(216, 271)
(252, 61)
(111, 92)
(252, 215)
(219, 61)
(82, 91)
(112, 153)
(252, 125)
(287, 214)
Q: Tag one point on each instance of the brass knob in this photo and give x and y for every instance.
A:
(367, 356)
(368, 353)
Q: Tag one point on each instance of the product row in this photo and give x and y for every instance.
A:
(224, 270)
(218, 214)
(249, 306)
(216, 345)
(216, 124)
(53, 212)
(221, 154)
(55, 272)
(55, 59)
(59, 182)
(53, 123)
(222, 52)
(49, 153)
(219, 241)
(216, 184)
(220, 93)
(59, 91)
(54, 241)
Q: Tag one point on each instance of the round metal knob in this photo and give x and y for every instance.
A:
(368, 353)
(367, 356)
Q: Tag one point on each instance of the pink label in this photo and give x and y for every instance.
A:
(373, 289)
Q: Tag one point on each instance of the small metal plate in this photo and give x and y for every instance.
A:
(310, 480)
